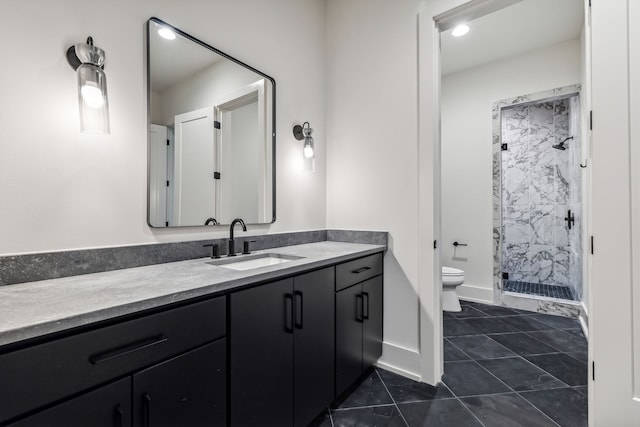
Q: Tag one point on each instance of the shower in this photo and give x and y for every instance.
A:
(560, 145)
(540, 235)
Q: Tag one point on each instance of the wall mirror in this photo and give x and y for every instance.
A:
(211, 148)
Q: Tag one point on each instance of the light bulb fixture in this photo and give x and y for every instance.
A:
(88, 61)
(167, 33)
(460, 30)
(304, 132)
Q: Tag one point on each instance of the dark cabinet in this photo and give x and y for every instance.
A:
(188, 390)
(107, 406)
(372, 321)
(282, 351)
(358, 323)
(174, 363)
(313, 344)
(276, 354)
(261, 356)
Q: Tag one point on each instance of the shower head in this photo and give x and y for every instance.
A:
(560, 145)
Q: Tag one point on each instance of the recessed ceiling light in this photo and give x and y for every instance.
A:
(167, 33)
(460, 30)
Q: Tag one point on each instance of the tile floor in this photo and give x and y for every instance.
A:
(503, 367)
(551, 291)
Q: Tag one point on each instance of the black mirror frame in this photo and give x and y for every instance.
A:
(231, 58)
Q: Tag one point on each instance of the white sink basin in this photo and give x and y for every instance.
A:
(248, 262)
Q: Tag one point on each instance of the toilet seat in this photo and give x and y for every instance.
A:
(450, 271)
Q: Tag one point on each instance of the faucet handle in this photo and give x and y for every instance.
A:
(215, 249)
(245, 247)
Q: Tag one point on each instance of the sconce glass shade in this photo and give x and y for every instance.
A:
(93, 103)
(307, 151)
(92, 99)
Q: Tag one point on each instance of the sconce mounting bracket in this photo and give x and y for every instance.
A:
(72, 57)
(297, 132)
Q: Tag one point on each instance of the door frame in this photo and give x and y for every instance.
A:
(229, 102)
(614, 318)
(434, 17)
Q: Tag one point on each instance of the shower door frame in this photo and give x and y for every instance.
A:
(527, 302)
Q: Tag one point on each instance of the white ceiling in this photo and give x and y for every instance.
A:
(525, 26)
(174, 60)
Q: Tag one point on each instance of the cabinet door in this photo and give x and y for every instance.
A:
(348, 337)
(261, 356)
(108, 406)
(313, 342)
(372, 325)
(188, 390)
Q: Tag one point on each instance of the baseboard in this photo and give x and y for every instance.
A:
(475, 293)
(400, 360)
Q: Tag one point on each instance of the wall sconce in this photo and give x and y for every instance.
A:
(300, 132)
(88, 61)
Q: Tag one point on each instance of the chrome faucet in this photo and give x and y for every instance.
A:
(232, 243)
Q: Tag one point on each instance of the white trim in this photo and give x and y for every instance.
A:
(432, 13)
(475, 293)
(400, 360)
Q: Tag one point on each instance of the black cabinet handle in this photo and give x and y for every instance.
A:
(298, 309)
(288, 313)
(360, 270)
(359, 308)
(126, 349)
(146, 402)
(119, 415)
(365, 313)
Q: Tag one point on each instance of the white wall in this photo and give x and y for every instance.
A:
(205, 88)
(467, 164)
(372, 154)
(62, 190)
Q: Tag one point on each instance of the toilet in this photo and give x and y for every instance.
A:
(451, 279)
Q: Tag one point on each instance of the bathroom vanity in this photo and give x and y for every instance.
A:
(190, 343)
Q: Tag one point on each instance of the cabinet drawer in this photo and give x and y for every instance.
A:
(358, 270)
(44, 373)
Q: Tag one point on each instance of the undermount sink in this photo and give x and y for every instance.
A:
(248, 262)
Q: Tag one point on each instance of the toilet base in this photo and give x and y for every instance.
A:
(450, 301)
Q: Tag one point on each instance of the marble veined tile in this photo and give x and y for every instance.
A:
(541, 263)
(542, 224)
(515, 261)
(562, 184)
(560, 229)
(561, 262)
(515, 125)
(561, 119)
(516, 231)
(516, 156)
(541, 123)
(541, 190)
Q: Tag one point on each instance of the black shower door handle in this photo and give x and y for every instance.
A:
(570, 218)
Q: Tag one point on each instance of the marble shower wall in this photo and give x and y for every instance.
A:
(539, 185)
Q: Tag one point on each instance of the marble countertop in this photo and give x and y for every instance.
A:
(34, 309)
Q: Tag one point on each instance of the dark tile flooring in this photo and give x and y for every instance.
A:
(503, 367)
(540, 289)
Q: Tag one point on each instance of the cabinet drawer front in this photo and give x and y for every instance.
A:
(359, 270)
(107, 406)
(44, 373)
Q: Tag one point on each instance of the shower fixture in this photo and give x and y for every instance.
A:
(560, 146)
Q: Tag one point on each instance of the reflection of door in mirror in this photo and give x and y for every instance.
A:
(158, 176)
(242, 153)
(194, 167)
